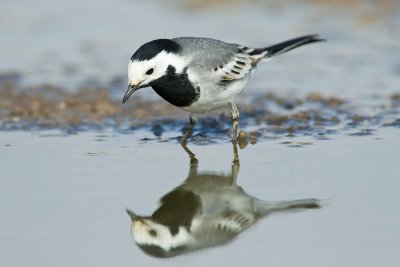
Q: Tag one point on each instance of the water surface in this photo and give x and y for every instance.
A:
(63, 200)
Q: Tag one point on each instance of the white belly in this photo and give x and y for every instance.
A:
(212, 98)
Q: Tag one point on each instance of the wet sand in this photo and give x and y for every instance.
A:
(266, 115)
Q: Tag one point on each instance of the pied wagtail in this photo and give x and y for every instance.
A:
(200, 74)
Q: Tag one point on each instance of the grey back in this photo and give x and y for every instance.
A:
(206, 52)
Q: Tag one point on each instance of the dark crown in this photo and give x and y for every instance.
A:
(153, 48)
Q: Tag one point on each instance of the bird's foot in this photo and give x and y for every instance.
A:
(194, 162)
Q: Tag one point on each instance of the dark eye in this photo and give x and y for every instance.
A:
(153, 233)
(150, 71)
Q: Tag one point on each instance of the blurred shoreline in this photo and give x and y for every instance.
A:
(70, 43)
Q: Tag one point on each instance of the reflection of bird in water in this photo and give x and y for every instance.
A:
(207, 210)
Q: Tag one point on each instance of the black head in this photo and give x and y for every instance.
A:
(153, 48)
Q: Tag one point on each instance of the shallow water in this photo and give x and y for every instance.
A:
(63, 199)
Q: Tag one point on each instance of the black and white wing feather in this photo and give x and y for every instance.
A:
(245, 58)
(231, 223)
(239, 66)
(236, 222)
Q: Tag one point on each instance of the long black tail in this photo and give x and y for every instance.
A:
(288, 45)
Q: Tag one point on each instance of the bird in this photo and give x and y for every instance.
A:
(207, 210)
(200, 74)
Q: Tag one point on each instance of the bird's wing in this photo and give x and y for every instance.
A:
(238, 66)
(240, 63)
(226, 61)
(221, 229)
(231, 223)
(235, 221)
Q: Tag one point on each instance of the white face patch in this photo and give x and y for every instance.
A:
(161, 236)
(137, 69)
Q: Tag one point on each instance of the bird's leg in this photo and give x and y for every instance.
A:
(192, 123)
(235, 153)
(234, 172)
(235, 122)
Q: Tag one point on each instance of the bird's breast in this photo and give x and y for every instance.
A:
(216, 96)
(176, 88)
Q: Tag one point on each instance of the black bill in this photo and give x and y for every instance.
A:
(131, 90)
(131, 214)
